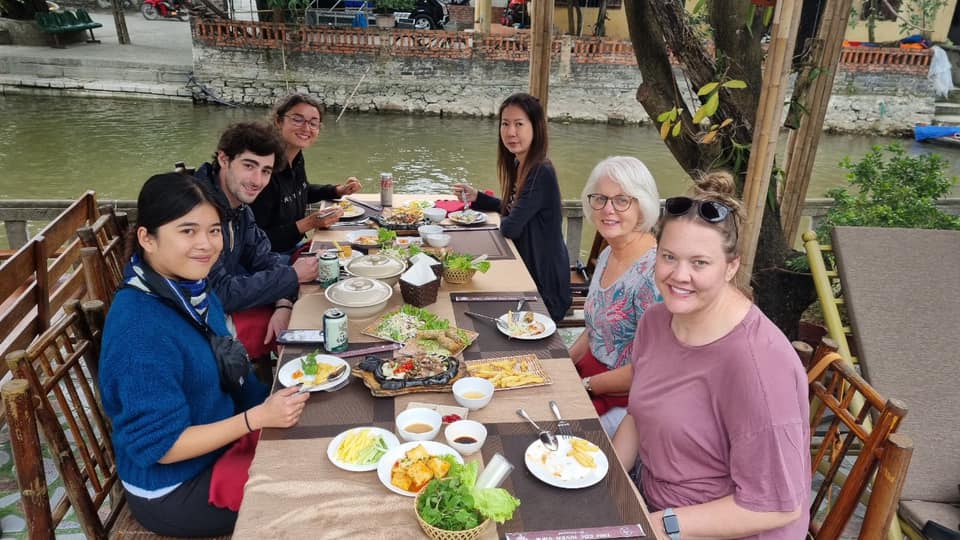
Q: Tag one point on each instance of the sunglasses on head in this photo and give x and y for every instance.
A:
(709, 211)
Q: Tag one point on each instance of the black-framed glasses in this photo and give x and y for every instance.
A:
(299, 120)
(709, 211)
(620, 202)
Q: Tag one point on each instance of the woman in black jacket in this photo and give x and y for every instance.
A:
(530, 203)
(281, 209)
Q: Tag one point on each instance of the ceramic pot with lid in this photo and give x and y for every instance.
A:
(359, 297)
(382, 267)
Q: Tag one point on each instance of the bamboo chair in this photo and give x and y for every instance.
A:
(580, 286)
(107, 235)
(878, 454)
(57, 375)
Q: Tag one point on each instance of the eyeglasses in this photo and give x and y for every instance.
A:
(620, 203)
(709, 211)
(299, 120)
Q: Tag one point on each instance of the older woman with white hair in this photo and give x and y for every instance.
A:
(621, 200)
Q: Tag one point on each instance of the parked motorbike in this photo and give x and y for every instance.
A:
(163, 9)
(125, 4)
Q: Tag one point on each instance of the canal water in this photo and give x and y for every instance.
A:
(59, 147)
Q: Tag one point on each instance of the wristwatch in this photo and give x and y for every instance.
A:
(586, 384)
(671, 525)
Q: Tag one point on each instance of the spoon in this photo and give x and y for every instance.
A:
(305, 387)
(548, 439)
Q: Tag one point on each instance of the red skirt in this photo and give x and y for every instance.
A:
(590, 366)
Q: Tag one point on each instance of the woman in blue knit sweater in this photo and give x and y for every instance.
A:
(173, 414)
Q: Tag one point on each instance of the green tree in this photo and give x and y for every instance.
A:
(661, 28)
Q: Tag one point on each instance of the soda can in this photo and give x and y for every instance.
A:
(386, 189)
(328, 271)
(334, 330)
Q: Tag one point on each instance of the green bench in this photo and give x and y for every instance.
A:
(56, 24)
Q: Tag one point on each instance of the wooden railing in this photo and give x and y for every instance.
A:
(16, 213)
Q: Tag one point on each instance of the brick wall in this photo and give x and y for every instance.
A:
(459, 73)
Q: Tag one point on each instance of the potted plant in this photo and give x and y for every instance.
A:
(386, 8)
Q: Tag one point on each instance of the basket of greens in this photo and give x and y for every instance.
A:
(455, 509)
(460, 267)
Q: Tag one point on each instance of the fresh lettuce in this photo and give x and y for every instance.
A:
(455, 504)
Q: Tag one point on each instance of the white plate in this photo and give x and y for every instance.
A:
(549, 327)
(388, 438)
(385, 467)
(285, 375)
(421, 203)
(352, 237)
(457, 217)
(352, 212)
(561, 470)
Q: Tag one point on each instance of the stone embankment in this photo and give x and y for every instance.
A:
(880, 91)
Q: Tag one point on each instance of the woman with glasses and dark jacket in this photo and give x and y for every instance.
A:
(718, 409)
(281, 209)
(620, 199)
(530, 203)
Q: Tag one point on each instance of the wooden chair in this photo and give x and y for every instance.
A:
(106, 235)
(580, 284)
(56, 375)
(879, 454)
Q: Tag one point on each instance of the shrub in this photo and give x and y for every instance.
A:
(894, 189)
(389, 6)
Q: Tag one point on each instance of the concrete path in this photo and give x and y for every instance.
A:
(155, 64)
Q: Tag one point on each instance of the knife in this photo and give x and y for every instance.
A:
(371, 206)
(371, 350)
(587, 533)
(504, 298)
(500, 324)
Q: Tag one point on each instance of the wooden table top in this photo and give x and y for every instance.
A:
(294, 491)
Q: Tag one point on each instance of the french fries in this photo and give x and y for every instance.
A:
(580, 450)
(507, 373)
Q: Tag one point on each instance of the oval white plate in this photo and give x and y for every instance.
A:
(352, 237)
(385, 467)
(388, 438)
(285, 374)
(456, 217)
(561, 470)
(354, 211)
(549, 327)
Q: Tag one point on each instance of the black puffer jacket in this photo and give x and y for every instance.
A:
(284, 201)
(247, 274)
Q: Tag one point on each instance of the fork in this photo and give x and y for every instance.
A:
(516, 314)
(563, 427)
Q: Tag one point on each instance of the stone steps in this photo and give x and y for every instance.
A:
(93, 76)
(946, 108)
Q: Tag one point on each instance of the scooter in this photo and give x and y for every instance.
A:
(157, 9)
(516, 14)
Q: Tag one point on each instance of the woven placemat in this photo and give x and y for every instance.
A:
(492, 343)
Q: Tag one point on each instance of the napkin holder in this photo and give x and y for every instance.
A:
(419, 285)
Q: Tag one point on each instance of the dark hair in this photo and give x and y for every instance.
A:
(511, 179)
(255, 137)
(164, 198)
(284, 105)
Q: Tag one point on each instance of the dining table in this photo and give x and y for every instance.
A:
(295, 491)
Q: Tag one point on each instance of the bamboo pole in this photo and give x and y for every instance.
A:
(541, 42)
(786, 20)
(481, 16)
(25, 442)
(803, 142)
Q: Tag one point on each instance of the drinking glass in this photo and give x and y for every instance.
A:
(495, 472)
(465, 195)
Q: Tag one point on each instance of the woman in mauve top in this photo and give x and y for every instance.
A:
(620, 199)
(718, 407)
(530, 204)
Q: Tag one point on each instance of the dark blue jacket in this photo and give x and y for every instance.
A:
(535, 224)
(247, 274)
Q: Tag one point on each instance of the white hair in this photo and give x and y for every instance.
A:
(636, 181)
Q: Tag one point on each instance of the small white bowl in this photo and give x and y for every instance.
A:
(465, 430)
(438, 240)
(425, 230)
(417, 416)
(435, 215)
(473, 392)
